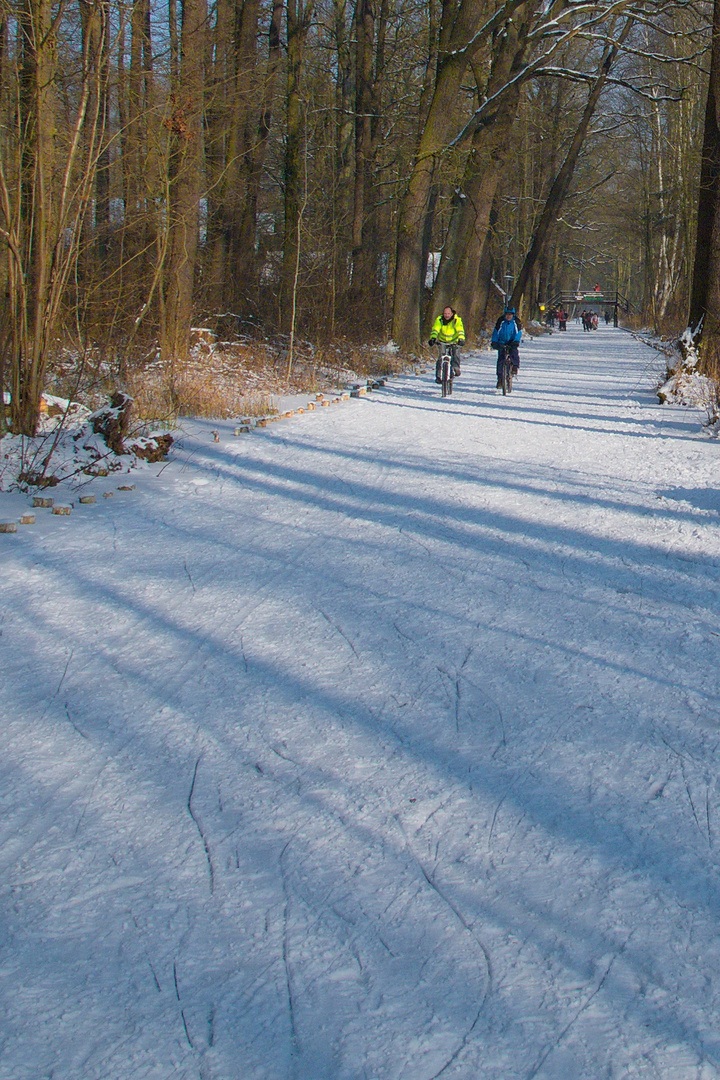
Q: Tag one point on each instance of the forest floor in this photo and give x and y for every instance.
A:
(379, 744)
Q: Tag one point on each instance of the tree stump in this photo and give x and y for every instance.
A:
(113, 422)
(152, 448)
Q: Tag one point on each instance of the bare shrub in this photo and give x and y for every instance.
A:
(220, 379)
(634, 321)
(712, 405)
(164, 396)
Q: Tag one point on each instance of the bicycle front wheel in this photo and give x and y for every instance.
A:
(446, 379)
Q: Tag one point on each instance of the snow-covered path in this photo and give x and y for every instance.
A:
(382, 744)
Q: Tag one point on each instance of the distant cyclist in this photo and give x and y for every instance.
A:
(507, 335)
(448, 331)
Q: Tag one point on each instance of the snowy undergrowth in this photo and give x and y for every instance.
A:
(684, 384)
(221, 378)
(67, 449)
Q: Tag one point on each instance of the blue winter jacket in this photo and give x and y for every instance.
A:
(506, 332)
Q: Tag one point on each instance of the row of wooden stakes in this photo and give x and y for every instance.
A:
(360, 390)
(43, 502)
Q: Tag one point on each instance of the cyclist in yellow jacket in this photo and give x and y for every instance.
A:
(448, 332)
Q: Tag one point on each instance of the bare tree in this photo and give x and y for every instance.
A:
(490, 150)
(561, 184)
(45, 186)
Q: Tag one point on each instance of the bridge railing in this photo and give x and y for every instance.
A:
(572, 301)
(600, 298)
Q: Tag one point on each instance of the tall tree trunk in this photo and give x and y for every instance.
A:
(344, 96)
(255, 151)
(470, 220)
(184, 182)
(408, 265)
(94, 21)
(175, 42)
(102, 179)
(704, 308)
(468, 229)
(220, 149)
(3, 266)
(239, 100)
(31, 263)
(479, 302)
(299, 18)
(136, 131)
(544, 285)
(364, 47)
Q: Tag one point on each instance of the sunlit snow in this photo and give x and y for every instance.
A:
(379, 744)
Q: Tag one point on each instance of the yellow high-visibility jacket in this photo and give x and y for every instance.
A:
(448, 332)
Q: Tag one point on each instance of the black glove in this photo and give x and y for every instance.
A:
(461, 341)
(431, 341)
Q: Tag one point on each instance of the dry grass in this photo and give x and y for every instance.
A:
(222, 379)
(350, 359)
(229, 379)
(164, 396)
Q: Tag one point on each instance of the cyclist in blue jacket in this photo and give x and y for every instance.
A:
(507, 335)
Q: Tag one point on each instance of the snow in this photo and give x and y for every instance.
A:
(378, 744)
(68, 449)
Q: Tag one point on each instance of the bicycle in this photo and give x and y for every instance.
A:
(506, 371)
(446, 369)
